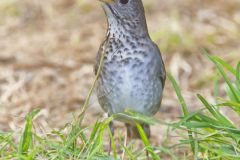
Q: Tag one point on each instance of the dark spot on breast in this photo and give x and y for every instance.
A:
(148, 70)
(132, 43)
(110, 79)
(129, 58)
(140, 63)
(134, 66)
(120, 81)
(146, 106)
(119, 52)
(125, 61)
(137, 79)
(117, 88)
(136, 59)
(110, 62)
(112, 73)
(140, 71)
(129, 53)
(145, 55)
(125, 49)
(131, 94)
(140, 44)
(105, 64)
(114, 58)
(103, 72)
(149, 65)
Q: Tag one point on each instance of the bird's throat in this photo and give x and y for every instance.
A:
(119, 25)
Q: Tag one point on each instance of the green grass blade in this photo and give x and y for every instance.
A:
(168, 152)
(146, 142)
(135, 116)
(183, 107)
(227, 80)
(112, 143)
(179, 95)
(238, 76)
(225, 65)
(26, 137)
(215, 112)
(216, 88)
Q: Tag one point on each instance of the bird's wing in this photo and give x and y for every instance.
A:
(161, 69)
(162, 74)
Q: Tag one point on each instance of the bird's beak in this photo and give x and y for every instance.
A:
(107, 1)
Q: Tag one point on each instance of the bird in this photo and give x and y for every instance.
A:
(132, 74)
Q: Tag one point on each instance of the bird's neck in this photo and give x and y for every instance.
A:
(123, 28)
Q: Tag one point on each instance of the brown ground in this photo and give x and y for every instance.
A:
(47, 51)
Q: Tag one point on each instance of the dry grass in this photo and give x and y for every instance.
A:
(48, 49)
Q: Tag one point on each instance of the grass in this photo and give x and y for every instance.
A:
(206, 133)
(209, 133)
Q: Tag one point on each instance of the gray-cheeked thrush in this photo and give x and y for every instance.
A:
(132, 73)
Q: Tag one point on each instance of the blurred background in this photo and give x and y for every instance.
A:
(48, 48)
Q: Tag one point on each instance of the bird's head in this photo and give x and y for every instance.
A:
(126, 12)
(126, 9)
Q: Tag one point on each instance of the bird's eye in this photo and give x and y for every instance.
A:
(124, 1)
